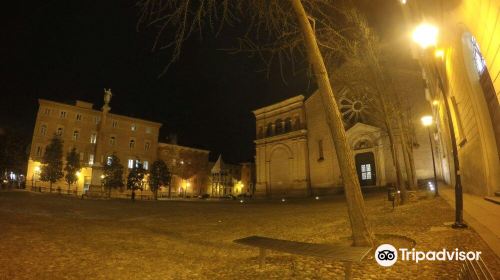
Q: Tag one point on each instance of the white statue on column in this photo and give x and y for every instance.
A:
(107, 96)
(107, 99)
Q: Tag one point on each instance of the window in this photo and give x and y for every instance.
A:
(97, 119)
(63, 114)
(478, 57)
(366, 171)
(59, 131)
(91, 159)
(145, 165)
(112, 140)
(39, 151)
(288, 124)
(114, 124)
(297, 125)
(148, 130)
(43, 129)
(93, 138)
(269, 130)
(78, 117)
(76, 134)
(46, 111)
(133, 127)
(278, 126)
(320, 150)
(130, 163)
(109, 160)
(489, 92)
(147, 145)
(131, 144)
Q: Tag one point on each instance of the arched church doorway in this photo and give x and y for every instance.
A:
(279, 171)
(365, 166)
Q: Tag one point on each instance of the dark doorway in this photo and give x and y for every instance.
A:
(365, 166)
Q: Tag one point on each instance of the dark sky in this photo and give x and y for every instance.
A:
(67, 50)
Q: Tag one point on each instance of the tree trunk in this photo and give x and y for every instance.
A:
(361, 233)
(156, 194)
(404, 144)
(399, 175)
(409, 150)
(50, 186)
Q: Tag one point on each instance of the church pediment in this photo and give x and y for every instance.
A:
(362, 136)
(362, 127)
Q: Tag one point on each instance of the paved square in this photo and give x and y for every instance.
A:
(56, 237)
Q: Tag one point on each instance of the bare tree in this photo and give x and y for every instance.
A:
(363, 70)
(286, 29)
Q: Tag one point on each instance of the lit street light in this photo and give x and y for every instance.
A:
(426, 36)
(427, 122)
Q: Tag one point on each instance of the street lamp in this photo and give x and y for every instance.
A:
(426, 35)
(427, 122)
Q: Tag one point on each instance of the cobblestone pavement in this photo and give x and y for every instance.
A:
(54, 237)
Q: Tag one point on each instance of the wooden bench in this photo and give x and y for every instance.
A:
(342, 253)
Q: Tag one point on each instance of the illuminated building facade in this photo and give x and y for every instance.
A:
(295, 154)
(465, 66)
(95, 135)
(189, 168)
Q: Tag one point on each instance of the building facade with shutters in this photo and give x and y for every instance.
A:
(95, 135)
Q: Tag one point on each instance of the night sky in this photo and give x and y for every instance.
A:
(68, 50)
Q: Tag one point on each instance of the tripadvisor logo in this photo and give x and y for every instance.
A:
(387, 255)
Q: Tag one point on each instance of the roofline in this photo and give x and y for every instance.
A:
(272, 107)
(41, 101)
(183, 147)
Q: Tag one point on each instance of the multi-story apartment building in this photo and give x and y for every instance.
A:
(95, 134)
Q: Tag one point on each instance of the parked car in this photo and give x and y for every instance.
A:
(229, 196)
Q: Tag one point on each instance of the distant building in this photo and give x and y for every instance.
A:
(96, 135)
(231, 179)
(248, 177)
(189, 167)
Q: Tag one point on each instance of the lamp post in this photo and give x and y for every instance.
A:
(426, 36)
(427, 122)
